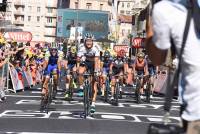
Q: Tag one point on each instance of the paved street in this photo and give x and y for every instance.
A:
(20, 113)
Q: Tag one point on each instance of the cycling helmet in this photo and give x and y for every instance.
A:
(73, 49)
(121, 53)
(141, 55)
(53, 47)
(89, 36)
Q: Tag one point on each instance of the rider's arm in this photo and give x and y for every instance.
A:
(125, 66)
(133, 66)
(146, 72)
(97, 63)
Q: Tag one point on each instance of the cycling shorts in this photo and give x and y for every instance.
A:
(71, 66)
(106, 70)
(140, 73)
(89, 66)
(50, 68)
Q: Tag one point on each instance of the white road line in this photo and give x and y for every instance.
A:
(36, 133)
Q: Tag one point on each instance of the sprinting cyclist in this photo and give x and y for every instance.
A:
(153, 71)
(52, 66)
(71, 67)
(140, 68)
(119, 66)
(106, 61)
(89, 61)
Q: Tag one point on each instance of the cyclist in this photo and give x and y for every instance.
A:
(119, 66)
(88, 60)
(71, 67)
(140, 68)
(106, 61)
(153, 71)
(52, 66)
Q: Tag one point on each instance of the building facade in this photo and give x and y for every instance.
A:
(35, 16)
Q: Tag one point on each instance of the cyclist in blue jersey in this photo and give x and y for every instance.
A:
(52, 66)
(106, 61)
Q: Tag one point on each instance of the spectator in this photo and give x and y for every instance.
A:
(168, 22)
(2, 63)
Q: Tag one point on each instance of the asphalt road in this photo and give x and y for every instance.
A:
(20, 114)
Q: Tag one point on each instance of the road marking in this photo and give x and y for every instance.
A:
(73, 103)
(96, 116)
(118, 117)
(36, 133)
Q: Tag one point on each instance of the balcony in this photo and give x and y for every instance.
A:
(50, 32)
(50, 24)
(19, 3)
(54, 14)
(18, 22)
(19, 12)
(52, 3)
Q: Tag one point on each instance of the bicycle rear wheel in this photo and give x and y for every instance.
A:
(50, 94)
(148, 92)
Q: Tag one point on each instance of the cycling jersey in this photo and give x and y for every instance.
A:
(139, 66)
(118, 65)
(52, 62)
(89, 55)
(72, 60)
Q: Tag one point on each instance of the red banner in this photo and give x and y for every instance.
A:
(18, 36)
(138, 42)
(117, 48)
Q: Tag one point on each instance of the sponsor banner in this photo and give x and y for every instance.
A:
(138, 42)
(117, 48)
(28, 81)
(18, 36)
(160, 83)
(16, 82)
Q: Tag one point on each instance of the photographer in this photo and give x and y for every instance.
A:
(167, 24)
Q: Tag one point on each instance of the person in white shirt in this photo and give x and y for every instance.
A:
(168, 21)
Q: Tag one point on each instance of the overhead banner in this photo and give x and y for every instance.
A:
(70, 21)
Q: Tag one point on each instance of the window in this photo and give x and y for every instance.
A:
(122, 4)
(121, 11)
(101, 6)
(123, 32)
(38, 18)
(49, 10)
(29, 8)
(128, 5)
(128, 12)
(38, 9)
(29, 18)
(22, 18)
(88, 5)
(49, 20)
(76, 5)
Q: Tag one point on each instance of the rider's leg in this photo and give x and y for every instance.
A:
(113, 82)
(81, 70)
(103, 85)
(55, 84)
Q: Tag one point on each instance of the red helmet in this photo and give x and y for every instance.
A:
(121, 53)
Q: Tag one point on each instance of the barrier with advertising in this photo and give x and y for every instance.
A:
(28, 81)
(95, 22)
(16, 82)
